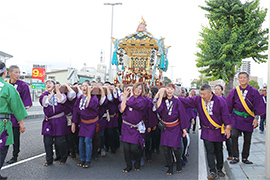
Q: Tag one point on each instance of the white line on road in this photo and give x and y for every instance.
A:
(23, 161)
(201, 154)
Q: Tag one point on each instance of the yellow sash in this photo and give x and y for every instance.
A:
(210, 119)
(244, 102)
(7, 81)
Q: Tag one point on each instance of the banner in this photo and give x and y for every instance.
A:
(38, 73)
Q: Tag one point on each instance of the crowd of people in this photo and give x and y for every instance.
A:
(79, 121)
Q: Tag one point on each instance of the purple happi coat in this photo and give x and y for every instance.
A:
(102, 107)
(133, 114)
(112, 106)
(264, 100)
(191, 113)
(85, 113)
(171, 137)
(23, 90)
(152, 116)
(58, 126)
(69, 111)
(218, 111)
(254, 102)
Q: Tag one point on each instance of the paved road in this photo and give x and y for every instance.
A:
(30, 165)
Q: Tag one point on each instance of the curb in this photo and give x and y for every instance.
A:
(34, 116)
(235, 172)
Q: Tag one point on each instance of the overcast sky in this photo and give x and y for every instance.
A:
(68, 33)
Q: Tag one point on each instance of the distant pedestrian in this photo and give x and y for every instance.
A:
(263, 117)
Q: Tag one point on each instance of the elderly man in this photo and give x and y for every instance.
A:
(214, 116)
(245, 105)
(23, 90)
(10, 103)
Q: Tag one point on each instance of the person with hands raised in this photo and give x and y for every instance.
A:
(85, 113)
(55, 122)
(132, 107)
(173, 115)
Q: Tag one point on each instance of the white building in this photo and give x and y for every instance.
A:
(4, 56)
(245, 67)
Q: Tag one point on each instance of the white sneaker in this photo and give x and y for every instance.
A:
(103, 153)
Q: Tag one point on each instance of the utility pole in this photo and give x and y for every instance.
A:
(172, 73)
(267, 133)
(110, 64)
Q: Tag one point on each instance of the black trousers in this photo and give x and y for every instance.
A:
(16, 145)
(214, 152)
(71, 144)
(96, 143)
(229, 147)
(148, 148)
(246, 145)
(60, 144)
(132, 152)
(111, 139)
(3, 154)
(155, 139)
(169, 157)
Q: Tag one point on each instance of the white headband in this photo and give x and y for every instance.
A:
(2, 70)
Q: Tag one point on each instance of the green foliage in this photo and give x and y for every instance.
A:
(197, 83)
(234, 34)
(166, 80)
(254, 84)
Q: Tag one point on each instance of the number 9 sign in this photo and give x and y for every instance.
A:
(38, 73)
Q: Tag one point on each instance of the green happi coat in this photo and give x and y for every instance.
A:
(10, 102)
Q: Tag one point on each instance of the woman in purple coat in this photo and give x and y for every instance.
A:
(132, 107)
(174, 116)
(55, 122)
(85, 113)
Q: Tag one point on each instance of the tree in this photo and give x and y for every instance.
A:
(254, 84)
(199, 82)
(166, 80)
(234, 34)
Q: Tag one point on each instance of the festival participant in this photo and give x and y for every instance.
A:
(193, 121)
(111, 133)
(85, 113)
(54, 126)
(173, 115)
(23, 90)
(132, 106)
(70, 137)
(214, 115)
(219, 92)
(155, 132)
(99, 139)
(10, 103)
(151, 121)
(246, 105)
(263, 117)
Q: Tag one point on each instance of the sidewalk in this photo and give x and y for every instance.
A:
(257, 156)
(35, 111)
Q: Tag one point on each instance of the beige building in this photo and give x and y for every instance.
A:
(58, 75)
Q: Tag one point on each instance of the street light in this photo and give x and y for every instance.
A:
(110, 65)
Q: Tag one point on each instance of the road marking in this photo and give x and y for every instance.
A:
(23, 161)
(201, 155)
